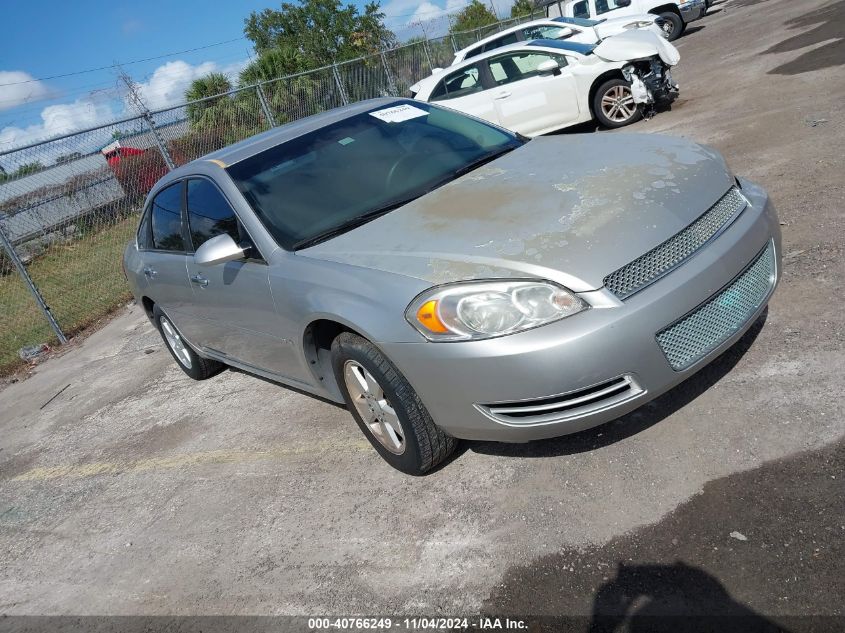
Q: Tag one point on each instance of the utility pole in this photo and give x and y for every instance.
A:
(133, 95)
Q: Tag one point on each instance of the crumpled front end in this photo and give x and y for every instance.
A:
(649, 70)
(651, 82)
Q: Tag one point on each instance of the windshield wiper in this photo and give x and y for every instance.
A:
(482, 161)
(350, 224)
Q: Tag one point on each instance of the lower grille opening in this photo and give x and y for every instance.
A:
(692, 337)
(565, 406)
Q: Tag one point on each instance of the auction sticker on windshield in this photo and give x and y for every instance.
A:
(399, 113)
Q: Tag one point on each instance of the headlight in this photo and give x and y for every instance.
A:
(479, 310)
(642, 24)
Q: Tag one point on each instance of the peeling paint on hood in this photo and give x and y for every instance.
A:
(567, 208)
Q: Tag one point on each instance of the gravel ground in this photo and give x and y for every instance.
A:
(138, 491)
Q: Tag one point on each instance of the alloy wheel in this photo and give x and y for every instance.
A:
(372, 405)
(175, 342)
(618, 104)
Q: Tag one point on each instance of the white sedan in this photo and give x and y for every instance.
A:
(544, 85)
(578, 30)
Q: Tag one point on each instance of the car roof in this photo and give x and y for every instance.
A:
(241, 150)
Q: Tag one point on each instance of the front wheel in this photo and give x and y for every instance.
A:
(386, 407)
(189, 361)
(614, 106)
(673, 25)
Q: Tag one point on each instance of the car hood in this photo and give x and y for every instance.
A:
(571, 209)
(613, 26)
(637, 44)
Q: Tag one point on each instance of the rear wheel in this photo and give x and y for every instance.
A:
(386, 407)
(673, 25)
(614, 106)
(189, 361)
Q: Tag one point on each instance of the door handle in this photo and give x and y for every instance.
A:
(503, 95)
(199, 280)
(150, 272)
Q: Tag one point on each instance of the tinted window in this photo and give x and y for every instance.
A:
(209, 213)
(144, 230)
(167, 219)
(510, 38)
(603, 6)
(581, 9)
(439, 92)
(345, 173)
(546, 32)
(473, 52)
(512, 67)
(461, 83)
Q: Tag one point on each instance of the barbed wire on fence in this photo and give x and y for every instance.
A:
(69, 204)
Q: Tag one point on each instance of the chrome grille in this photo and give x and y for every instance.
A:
(713, 322)
(660, 260)
(566, 406)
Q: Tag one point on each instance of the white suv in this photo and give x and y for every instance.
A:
(676, 13)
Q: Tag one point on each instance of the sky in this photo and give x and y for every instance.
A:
(45, 39)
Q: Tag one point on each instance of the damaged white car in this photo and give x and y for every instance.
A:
(544, 85)
(561, 28)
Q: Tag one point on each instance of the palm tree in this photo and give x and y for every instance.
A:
(206, 86)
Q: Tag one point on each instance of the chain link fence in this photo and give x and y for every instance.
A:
(69, 205)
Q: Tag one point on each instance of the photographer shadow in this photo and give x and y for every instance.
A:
(669, 599)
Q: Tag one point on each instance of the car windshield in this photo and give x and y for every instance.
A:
(333, 179)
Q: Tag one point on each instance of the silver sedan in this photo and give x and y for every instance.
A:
(445, 278)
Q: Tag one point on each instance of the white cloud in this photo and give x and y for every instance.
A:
(168, 83)
(57, 120)
(19, 93)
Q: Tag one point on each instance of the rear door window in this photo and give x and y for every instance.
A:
(167, 219)
(459, 84)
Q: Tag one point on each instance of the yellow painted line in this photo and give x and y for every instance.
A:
(185, 460)
(217, 162)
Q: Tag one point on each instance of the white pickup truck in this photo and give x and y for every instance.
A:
(676, 14)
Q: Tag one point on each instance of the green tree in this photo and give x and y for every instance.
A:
(20, 172)
(272, 64)
(208, 86)
(322, 31)
(204, 87)
(521, 8)
(473, 16)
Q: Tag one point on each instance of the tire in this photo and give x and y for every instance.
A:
(398, 425)
(189, 361)
(674, 24)
(615, 89)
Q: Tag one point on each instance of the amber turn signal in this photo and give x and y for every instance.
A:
(427, 316)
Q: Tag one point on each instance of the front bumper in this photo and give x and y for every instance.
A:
(693, 10)
(590, 352)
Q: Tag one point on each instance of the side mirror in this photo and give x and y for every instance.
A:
(548, 66)
(623, 3)
(217, 250)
